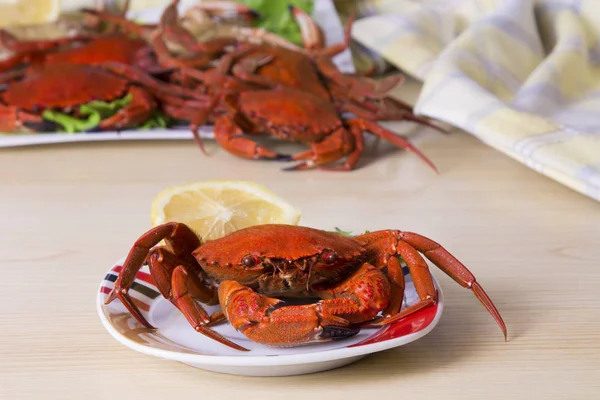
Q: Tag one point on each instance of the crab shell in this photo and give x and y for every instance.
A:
(116, 48)
(59, 86)
(291, 114)
(289, 68)
(286, 259)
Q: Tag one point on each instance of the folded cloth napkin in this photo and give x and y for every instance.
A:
(521, 75)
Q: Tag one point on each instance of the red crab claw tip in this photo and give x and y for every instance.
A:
(198, 140)
(111, 297)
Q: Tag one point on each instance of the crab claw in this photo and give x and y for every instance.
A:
(266, 320)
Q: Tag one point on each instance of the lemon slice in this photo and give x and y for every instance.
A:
(214, 209)
(28, 12)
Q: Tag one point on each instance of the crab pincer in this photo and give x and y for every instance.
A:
(267, 321)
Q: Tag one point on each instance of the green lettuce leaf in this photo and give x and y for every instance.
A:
(103, 109)
(70, 124)
(158, 120)
(277, 18)
(96, 111)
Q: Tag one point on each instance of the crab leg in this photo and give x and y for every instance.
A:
(335, 146)
(408, 245)
(203, 114)
(179, 287)
(332, 149)
(196, 315)
(311, 36)
(181, 290)
(369, 111)
(358, 87)
(261, 35)
(181, 102)
(187, 111)
(339, 48)
(178, 236)
(182, 109)
(162, 264)
(354, 155)
(245, 70)
(136, 75)
(174, 32)
(313, 40)
(390, 136)
(200, 117)
(421, 275)
(166, 60)
(229, 135)
(398, 284)
(12, 119)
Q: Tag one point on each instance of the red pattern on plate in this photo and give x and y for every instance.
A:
(411, 324)
(141, 275)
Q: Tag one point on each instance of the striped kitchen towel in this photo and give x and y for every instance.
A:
(521, 75)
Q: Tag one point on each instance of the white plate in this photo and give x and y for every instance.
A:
(324, 14)
(175, 339)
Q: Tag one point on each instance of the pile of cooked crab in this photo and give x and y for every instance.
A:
(243, 81)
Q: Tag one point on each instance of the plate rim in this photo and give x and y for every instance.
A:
(270, 360)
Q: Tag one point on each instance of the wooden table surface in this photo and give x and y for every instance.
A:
(69, 211)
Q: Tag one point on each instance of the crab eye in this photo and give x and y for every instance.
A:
(250, 261)
(329, 257)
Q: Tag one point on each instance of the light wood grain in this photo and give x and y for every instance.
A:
(69, 211)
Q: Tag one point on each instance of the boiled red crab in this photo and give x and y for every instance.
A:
(251, 271)
(64, 87)
(295, 115)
